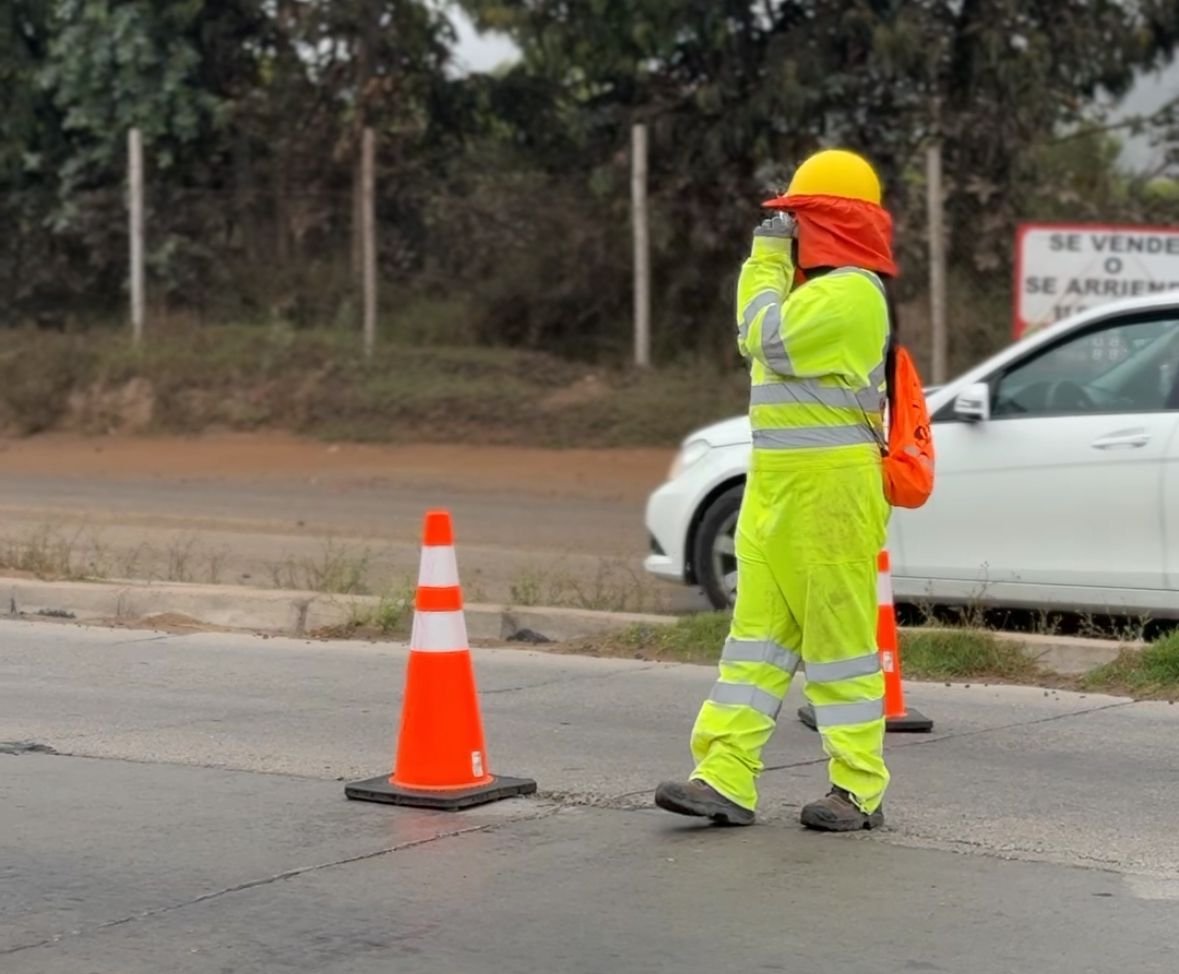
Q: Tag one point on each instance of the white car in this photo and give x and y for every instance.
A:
(1056, 487)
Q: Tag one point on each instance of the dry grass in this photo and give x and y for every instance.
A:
(1044, 622)
(689, 639)
(615, 586)
(54, 554)
(390, 618)
(338, 570)
(317, 382)
(50, 553)
(1150, 673)
(965, 655)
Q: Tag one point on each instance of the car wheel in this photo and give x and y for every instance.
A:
(715, 554)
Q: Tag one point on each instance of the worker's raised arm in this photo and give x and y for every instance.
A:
(767, 277)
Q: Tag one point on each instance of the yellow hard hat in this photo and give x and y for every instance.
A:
(836, 172)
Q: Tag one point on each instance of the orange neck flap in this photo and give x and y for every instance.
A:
(838, 232)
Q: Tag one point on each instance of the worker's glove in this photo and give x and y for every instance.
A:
(775, 237)
(781, 225)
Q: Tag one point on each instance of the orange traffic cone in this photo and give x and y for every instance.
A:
(441, 755)
(897, 718)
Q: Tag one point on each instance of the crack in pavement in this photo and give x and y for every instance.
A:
(270, 880)
(158, 762)
(958, 735)
(144, 639)
(74, 738)
(921, 840)
(233, 718)
(1073, 859)
(625, 801)
(26, 747)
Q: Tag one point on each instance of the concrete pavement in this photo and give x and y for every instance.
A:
(194, 819)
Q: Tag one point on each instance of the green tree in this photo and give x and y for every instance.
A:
(116, 65)
(339, 66)
(29, 144)
(107, 66)
(250, 111)
(736, 93)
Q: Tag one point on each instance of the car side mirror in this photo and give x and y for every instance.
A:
(973, 404)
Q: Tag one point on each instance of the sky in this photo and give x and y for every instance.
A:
(484, 52)
(479, 52)
(1152, 91)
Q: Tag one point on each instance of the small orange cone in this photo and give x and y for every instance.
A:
(897, 718)
(441, 755)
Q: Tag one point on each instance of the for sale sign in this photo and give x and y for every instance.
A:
(1063, 268)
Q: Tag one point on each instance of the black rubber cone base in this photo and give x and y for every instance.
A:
(914, 722)
(379, 790)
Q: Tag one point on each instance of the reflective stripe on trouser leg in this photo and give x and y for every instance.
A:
(740, 714)
(844, 683)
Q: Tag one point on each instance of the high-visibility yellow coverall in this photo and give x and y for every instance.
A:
(812, 523)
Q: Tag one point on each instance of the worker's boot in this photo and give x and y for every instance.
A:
(838, 812)
(702, 800)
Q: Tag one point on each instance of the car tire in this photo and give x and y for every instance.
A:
(713, 554)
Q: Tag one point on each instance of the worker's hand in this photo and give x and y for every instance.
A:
(780, 225)
(775, 237)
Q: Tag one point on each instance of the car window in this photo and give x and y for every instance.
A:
(1125, 366)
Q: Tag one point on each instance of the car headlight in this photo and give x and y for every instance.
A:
(690, 454)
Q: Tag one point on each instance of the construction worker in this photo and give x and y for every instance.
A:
(813, 324)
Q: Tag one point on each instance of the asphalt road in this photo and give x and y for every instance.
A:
(193, 820)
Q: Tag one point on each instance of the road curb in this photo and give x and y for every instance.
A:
(1066, 655)
(302, 613)
(283, 611)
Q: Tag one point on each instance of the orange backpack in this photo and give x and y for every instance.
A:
(908, 464)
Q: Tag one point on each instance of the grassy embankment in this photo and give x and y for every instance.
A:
(317, 383)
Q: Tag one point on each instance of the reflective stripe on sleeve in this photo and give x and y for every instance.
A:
(754, 308)
(773, 346)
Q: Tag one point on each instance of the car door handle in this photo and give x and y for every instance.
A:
(1126, 439)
